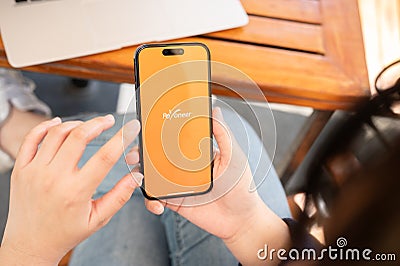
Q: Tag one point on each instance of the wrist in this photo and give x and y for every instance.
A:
(12, 255)
(249, 224)
(264, 228)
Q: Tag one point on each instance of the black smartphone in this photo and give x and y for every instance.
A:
(173, 100)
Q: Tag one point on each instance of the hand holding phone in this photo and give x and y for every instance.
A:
(239, 217)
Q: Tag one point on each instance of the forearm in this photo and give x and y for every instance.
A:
(265, 230)
(13, 132)
(11, 257)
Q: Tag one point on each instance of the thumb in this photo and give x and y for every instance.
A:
(222, 134)
(104, 208)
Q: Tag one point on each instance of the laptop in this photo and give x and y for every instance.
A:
(41, 31)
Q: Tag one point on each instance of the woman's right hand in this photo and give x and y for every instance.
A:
(51, 204)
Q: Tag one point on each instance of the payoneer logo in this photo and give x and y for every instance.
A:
(176, 114)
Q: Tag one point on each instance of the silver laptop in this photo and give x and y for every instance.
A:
(41, 31)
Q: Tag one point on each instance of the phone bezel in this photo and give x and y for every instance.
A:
(138, 113)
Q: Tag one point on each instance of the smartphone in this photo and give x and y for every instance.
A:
(173, 100)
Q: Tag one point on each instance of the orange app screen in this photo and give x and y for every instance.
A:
(175, 115)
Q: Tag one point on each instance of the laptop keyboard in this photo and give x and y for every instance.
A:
(26, 1)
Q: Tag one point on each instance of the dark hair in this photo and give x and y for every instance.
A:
(365, 207)
(366, 211)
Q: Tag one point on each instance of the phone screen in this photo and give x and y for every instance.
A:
(174, 108)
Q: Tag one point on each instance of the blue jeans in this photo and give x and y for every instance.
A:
(136, 237)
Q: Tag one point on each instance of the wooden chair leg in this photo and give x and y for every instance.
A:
(303, 143)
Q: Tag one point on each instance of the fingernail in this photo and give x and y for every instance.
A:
(109, 117)
(137, 178)
(132, 126)
(218, 113)
(56, 120)
(159, 209)
(132, 157)
(131, 129)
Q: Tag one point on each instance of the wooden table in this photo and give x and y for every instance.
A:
(302, 52)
